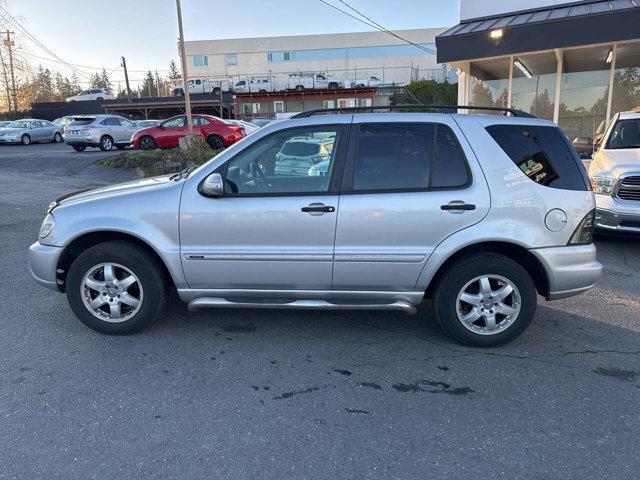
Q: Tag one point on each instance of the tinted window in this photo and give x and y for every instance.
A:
(112, 121)
(449, 166)
(264, 168)
(625, 134)
(393, 156)
(542, 153)
(81, 121)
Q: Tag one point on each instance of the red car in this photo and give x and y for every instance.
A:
(166, 134)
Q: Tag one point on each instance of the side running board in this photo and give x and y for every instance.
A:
(214, 302)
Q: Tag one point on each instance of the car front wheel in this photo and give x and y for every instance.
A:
(57, 138)
(25, 139)
(484, 300)
(116, 288)
(147, 143)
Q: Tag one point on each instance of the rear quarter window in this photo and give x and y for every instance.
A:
(543, 154)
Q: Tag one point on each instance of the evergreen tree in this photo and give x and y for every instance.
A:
(149, 87)
(174, 73)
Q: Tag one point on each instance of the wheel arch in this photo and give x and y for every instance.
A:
(515, 252)
(90, 239)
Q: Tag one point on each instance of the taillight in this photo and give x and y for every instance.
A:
(583, 235)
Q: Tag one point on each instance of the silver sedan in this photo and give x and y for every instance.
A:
(30, 130)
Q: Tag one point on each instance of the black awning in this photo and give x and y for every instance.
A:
(558, 26)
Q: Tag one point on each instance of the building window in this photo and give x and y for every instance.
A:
(533, 87)
(255, 108)
(489, 84)
(231, 59)
(364, 102)
(270, 57)
(278, 106)
(288, 56)
(328, 104)
(346, 102)
(626, 78)
(200, 61)
(246, 109)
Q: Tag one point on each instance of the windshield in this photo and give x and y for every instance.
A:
(19, 124)
(300, 149)
(625, 134)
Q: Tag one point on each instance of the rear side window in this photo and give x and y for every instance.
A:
(543, 154)
(408, 156)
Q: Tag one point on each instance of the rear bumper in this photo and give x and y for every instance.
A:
(571, 270)
(617, 216)
(43, 263)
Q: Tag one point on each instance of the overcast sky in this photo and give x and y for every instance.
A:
(95, 33)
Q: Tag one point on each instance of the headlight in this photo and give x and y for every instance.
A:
(603, 185)
(47, 226)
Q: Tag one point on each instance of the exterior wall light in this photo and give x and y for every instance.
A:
(496, 34)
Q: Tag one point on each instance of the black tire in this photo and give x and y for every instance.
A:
(106, 143)
(120, 147)
(465, 269)
(215, 142)
(147, 143)
(299, 87)
(99, 98)
(79, 147)
(138, 261)
(57, 138)
(25, 139)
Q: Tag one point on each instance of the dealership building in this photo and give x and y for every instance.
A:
(576, 63)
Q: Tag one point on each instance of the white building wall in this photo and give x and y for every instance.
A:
(251, 56)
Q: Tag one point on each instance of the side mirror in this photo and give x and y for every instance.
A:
(213, 186)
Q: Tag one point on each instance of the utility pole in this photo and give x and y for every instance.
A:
(183, 61)
(157, 84)
(5, 77)
(9, 44)
(126, 79)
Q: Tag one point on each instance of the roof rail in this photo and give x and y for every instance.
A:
(442, 108)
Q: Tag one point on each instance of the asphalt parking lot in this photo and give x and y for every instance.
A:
(234, 394)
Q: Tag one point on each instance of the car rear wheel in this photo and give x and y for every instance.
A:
(79, 148)
(57, 138)
(484, 300)
(106, 143)
(147, 143)
(215, 142)
(25, 139)
(116, 288)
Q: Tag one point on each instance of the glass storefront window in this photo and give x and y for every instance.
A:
(489, 82)
(584, 90)
(534, 84)
(626, 78)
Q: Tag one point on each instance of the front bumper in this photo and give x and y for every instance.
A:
(617, 215)
(43, 263)
(10, 139)
(571, 270)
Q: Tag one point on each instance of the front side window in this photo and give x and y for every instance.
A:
(408, 156)
(625, 134)
(175, 122)
(297, 160)
(231, 59)
(543, 154)
(200, 61)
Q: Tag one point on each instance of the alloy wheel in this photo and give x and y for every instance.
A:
(488, 304)
(111, 292)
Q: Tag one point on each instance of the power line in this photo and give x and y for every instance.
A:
(38, 43)
(371, 23)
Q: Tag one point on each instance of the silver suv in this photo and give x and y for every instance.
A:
(479, 213)
(615, 175)
(101, 131)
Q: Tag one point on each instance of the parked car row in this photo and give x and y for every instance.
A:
(271, 83)
(30, 130)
